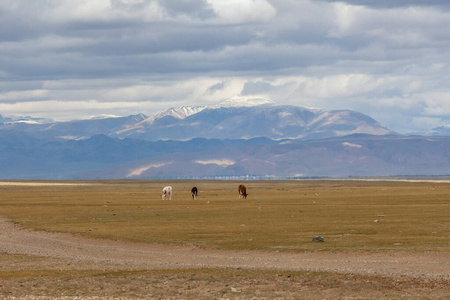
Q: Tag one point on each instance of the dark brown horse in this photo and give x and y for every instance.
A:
(194, 193)
(242, 191)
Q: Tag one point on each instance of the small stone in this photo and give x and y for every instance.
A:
(318, 239)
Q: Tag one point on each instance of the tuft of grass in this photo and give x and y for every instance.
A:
(277, 215)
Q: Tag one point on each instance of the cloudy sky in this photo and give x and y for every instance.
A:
(69, 59)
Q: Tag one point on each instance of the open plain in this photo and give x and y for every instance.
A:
(118, 239)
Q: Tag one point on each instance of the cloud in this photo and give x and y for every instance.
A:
(242, 11)
(196, 9)
(437, 103)
(257, 87)
(64, 110)
(388, 59)
(380, 4)
(217, 87)
(13, 96)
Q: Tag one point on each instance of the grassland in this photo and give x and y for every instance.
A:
(277, 215)
(352, 216)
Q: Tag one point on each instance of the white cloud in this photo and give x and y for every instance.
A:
(101, 11)
(66, 110)
(426, 122)
(242, 11)
(396, 27)
(344, 85)
(437, 103)
(21, 95)
(346, 19)
(79, 10)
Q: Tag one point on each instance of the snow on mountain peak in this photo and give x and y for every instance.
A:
(24, 120)
(186, 111)
(239, 101)
(180, 112)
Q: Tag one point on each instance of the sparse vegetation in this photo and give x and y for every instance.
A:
(352, 216)
(215, 284)
(278, 215)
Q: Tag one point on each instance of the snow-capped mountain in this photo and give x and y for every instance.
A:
(73, 130)
(25, 120)
(248, 118)
(183, 112)
(180, 112)
(177, 113)
(234, 118)
(237, 137)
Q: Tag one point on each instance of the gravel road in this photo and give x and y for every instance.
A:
(79, 252)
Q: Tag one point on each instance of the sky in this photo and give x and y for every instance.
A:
(76, 59)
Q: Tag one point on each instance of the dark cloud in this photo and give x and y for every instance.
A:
(194, 8)
(216, 87)
(395, 3)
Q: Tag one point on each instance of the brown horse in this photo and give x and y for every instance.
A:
(242, 191)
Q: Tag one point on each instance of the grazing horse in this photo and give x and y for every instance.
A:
(167, 192)
(194, 193)
(242, 191)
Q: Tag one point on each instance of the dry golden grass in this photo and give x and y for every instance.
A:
(215, 284)
(277, 215)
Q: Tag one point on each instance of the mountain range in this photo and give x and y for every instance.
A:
(233, 119)
(235, 139)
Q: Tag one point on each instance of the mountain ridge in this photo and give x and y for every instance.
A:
(269, 120)
(358, 155)
(234, 118)
(260, 139)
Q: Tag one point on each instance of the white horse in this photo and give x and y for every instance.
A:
(167, 192)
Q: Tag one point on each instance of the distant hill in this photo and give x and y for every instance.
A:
(438, 131)
(350, 156)
(235, 139)
(73, 130)
(22, 156)
(101, 157)
(272, 121)
(232, 120)
(28, 120)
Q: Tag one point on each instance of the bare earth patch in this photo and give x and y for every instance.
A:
(101, 267)
(34, 183)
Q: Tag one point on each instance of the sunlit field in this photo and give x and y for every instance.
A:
(358, 216)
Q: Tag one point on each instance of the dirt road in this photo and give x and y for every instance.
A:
(79, 252)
